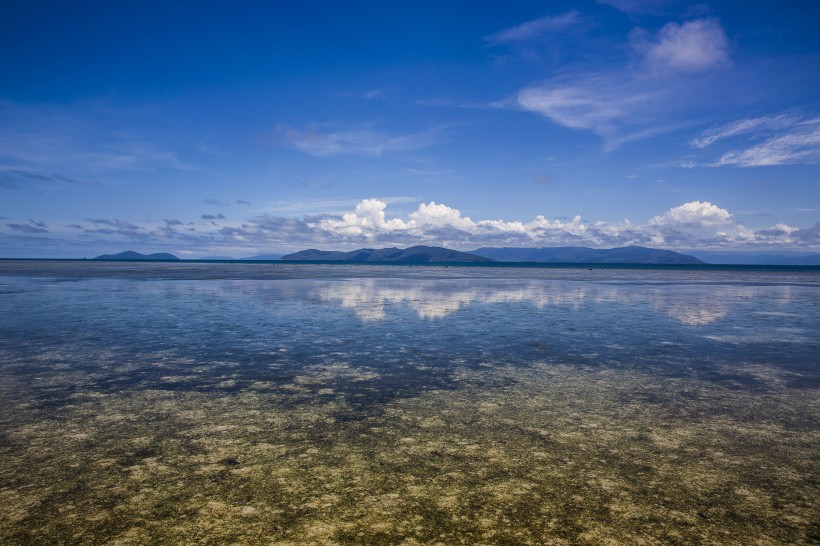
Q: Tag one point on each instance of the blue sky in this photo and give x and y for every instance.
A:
(217, 128)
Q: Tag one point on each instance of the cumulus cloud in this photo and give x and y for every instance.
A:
(368, 217)
(692, 225)
(698, 221)
(440, 215)
(769, 140)
(695, 212)
(536, 27)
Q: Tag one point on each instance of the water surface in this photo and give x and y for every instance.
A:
(248, 403)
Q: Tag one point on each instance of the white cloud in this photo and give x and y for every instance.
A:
(536, 27)
(436, 215)
(691, 225)
(801, 147)
(689, 47)
(582, 107)
(696, 212)
(368, 217)
(637, 6)
(360, 140)
(776, 140)
(740, 127)
(699, 221)
(695, 224)
(636, 101)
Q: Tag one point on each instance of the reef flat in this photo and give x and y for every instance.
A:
(408, 411)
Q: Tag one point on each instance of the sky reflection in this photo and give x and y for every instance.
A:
(372, 299)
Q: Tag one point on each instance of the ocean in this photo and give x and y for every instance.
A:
(193, 403)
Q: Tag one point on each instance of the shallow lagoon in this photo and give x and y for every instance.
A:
(241, 403)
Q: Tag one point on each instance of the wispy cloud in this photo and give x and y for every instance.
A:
(796, 147)
(772, 140)
(80, 139)
(18, 178)
(215, 202)
(328, 206)
(693, 46)
(537, 27)
(213, 216)
(362, 140)
(581, 104)
(740, 127)
(379, 93)
(32, 227)
(638, 7)
(103, 226)
(635, 101)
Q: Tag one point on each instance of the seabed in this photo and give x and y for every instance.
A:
(377, 441)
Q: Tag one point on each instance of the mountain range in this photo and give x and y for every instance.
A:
(578, 254)
(569, 255)
(414, 254)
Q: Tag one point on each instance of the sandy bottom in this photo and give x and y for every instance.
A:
(542, 454)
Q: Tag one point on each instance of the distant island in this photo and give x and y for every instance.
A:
(414, 254)
(584, 255)
(130, 255)
(430, 254)
(561, 254)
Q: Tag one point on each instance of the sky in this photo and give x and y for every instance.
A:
(237, 129)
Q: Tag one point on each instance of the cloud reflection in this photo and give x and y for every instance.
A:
(371, 298)
(375, 299)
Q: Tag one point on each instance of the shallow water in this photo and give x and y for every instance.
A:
(228, 403)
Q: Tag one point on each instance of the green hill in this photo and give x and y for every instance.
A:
(130, 255)
(579, 254)
(414, 254)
